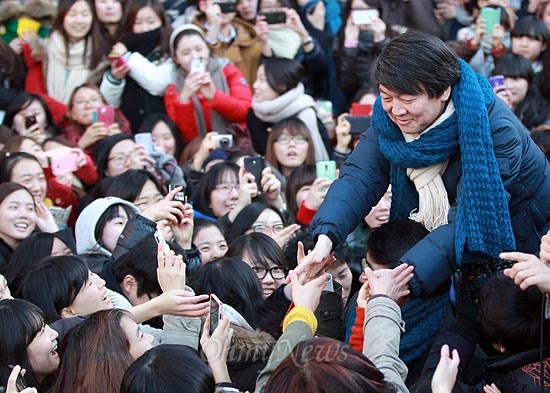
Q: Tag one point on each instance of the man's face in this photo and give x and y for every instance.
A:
(412, 113)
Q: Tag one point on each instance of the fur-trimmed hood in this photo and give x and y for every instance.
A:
(10, 9)
(249, 347)
(41, 10)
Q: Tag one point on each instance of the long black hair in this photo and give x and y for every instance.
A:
(236, 284)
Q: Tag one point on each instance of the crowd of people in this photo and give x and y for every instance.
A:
(274, 196)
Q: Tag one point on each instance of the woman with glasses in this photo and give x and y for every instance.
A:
(84, 130)
(289, 145)
(278, 95)
(261, 218)
(265, 257)
(118, 153)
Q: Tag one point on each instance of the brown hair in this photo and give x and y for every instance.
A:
(8, 188)
(327, 365)
(94, 355)
(293, 126)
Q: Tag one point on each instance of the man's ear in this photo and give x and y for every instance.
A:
(446, 94)
(129, 285)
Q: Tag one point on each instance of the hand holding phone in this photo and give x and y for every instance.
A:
(216, 312)
(274, 17)
(491, 16)
(63, 160)
(197, 66)
(159, 237)
(145, 139)
(104, 114)
(364, 17)
(255, 165)
(326, 170)
(117, 59)
(30, 121)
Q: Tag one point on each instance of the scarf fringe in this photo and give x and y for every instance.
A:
(433, 205)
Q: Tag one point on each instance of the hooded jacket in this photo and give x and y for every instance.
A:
(86, 242)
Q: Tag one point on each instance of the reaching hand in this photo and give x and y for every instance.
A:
(216, 346)
(309, 293)
(527, 271)
(317, 193)
(364, 294)
(170, 270)
(316, 260)
(12, 382)
(390, 282)
(182, 303)
(183, 230)
(444, 377)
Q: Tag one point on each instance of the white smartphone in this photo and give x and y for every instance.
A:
(197, 65)
(364, 17)
(159, 237)
(145, 139)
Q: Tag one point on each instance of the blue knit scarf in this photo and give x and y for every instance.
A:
(483, 220)
(424, 318)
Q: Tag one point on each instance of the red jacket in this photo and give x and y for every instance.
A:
(233, 106)
(36, 83)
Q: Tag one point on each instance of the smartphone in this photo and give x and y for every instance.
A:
(326, 169)
(496, 81)
(104, 114)
(491, 16)
(364, 17)
(275, 17)
(145, 139)
(228, 7)
(20, 382)
(255, 165)
(223, 141)
(159, 237)
(180, 196)
(359, 124)
(358, 109)
(329, 286)
(216, 312)
(117, 59)
(64, 164)
(197, 65)
(30, 121)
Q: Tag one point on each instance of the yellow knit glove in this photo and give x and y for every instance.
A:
(301, 313)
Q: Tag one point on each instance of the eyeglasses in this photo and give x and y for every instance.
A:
(285, 139)
(276, 272)
(82, 103)
(119, 159)
(226, 188)
(264, 228)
